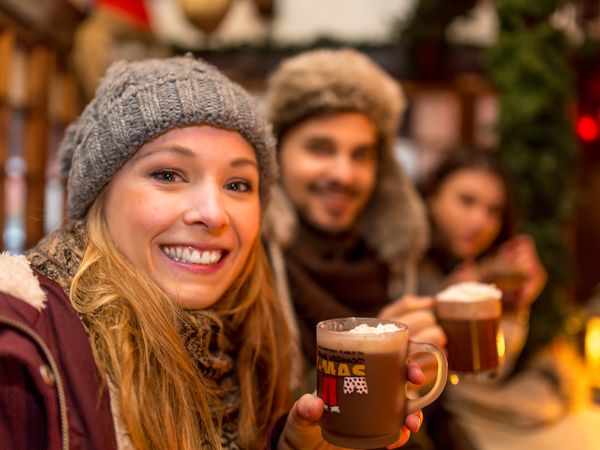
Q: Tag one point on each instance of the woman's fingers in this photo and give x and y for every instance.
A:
(404, 435)
(412, 424)
(413, 421)
(309, 409)
(301, 429)
(414, 373)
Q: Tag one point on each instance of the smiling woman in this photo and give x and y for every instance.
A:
(150, 320)
(193, 249)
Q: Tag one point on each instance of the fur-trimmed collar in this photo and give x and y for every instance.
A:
(18, 280)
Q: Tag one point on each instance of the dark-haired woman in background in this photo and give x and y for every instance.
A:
(469, 204)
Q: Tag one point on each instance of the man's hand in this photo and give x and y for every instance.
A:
(417, 313)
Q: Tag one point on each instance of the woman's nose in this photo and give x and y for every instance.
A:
(206, 207)
(479, 218)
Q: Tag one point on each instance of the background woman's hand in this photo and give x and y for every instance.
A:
(302, 431)
(517, 256)
(520, 252)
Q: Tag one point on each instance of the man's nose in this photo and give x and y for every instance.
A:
(343, 170)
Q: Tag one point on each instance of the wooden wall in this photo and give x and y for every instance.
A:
(38, 95)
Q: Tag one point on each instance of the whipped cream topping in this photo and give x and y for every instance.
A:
(469, 291)
(363, 328)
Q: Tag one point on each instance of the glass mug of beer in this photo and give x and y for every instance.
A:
(361, 378)
(470, 314)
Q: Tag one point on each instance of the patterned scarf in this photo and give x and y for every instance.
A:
(58, 257)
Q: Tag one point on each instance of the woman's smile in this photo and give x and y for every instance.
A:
(190, 255)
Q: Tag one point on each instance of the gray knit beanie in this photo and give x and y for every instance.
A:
(138, 101)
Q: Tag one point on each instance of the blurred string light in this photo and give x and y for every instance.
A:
(592, 349)
(587, 128)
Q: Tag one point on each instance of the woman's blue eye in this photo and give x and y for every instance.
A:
(165, 175)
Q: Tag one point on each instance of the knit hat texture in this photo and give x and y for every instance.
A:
(137, 102)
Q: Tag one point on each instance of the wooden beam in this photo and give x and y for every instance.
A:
(7, 42)
(40, 63)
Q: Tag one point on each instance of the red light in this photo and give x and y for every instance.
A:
(587, 128)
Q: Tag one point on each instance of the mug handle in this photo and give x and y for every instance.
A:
(412, 404)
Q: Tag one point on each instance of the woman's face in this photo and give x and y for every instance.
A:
(186, 210)
(467, 211)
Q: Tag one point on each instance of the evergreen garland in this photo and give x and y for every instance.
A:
(530, 68)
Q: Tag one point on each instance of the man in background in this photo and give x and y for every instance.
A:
(346, 228)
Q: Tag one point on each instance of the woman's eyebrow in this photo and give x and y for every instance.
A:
(238, 162)
(183, 151)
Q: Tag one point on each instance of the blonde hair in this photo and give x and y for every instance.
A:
(133, 330)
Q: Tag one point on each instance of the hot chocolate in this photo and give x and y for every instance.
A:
(361, 377)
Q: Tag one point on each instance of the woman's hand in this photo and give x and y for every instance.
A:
(520, 252)
(302, 431)
(515, 268)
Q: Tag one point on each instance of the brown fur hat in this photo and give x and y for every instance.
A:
(324, 81)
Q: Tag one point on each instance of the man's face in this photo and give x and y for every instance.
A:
(328, 168)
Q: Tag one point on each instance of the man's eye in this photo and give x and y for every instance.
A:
(467, 200)
(165, 175)
(319, 148)
(239, 186)
(364, 154)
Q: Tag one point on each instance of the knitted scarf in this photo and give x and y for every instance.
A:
(332, 276)
(58, 257)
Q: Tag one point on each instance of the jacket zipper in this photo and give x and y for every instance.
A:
(59, 385)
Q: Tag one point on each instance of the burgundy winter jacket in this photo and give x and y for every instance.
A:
(51, 393)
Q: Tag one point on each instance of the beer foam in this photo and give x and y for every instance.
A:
(363, 328)
(469, 300)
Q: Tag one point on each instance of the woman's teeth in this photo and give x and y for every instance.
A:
(192, 256)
